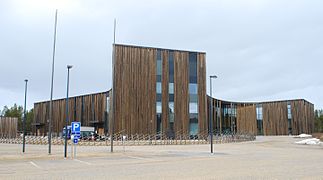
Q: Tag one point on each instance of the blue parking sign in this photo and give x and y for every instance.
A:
(76, 127)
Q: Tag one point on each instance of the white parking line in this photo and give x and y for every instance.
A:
(145, 159)
(87, 163)
(32, 163)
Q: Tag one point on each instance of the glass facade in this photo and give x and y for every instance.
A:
(259, 119)
(228, 118)
(192, 89)
(193, 94)
(171, 112)
(159, 71)
(289, 116)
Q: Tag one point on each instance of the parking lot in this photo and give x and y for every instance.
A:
(265, 158)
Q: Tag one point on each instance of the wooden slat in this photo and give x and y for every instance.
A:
(8, 127)
(202, 103)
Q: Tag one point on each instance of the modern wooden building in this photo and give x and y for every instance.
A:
(163, 91)
(90, 110)
(159, 91)
(262, 118)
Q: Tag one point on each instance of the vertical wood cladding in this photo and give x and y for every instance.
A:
(246, 118)
(165, 96)
(202, 98)
(87, 109)
(275, 117)
(275, 121)
(181, 96)
(302, 117)
(8, 127)
(135, 90)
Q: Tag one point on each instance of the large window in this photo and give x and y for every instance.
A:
(193, 125)
(193, 95)
(289, 116)
(159, 87)
(159, 71)
(259, 119)
(171, 112)
(158, 107)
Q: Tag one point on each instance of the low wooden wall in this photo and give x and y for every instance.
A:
(8, 127)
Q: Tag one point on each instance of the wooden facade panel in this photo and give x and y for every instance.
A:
(275, 121)
(8, 127)
(202, 98)
(135, 90)
(165, 97)
(246, 119)
(181, 94)
(88, 109)
(302, 117)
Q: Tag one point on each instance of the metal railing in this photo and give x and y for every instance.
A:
(121, 139)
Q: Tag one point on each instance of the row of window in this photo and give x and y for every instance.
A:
(192, 88)
(193, 91)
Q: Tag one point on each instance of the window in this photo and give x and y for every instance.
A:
(108, 104)
(259, 119)
(193, 108)
(159, 87)
(158, 78)
(193, 67)
(193, 124)
(159, 67)
(171, 111)
(158, 107)
(259, 112)
(171, 98)
(289, 116)
(193, 98)
(193, 88)
(158, 90)
(289, 111)
(193, 91)
(171, 88)
(158, 97)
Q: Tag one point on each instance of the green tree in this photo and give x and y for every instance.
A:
(17, 111)
(29, 119)
(318, 123)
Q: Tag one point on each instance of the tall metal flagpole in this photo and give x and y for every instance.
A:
(51, 90)
(113, 85)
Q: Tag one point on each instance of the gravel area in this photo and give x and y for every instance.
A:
(265, 158)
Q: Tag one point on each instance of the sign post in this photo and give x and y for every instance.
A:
(76, 134)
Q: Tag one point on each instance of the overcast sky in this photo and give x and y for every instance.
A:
(260, 50)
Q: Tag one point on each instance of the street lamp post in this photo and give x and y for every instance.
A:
(24, 122)
(51, 90)
(211, 113)
(66, 129)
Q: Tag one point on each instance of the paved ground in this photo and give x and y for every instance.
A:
(265, 158)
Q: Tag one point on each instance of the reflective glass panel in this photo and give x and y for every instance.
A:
(193, 88)
(159, 67)
(171, 88)
(193, 98)
(159, 87)
(158, 107)
(193, 108)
